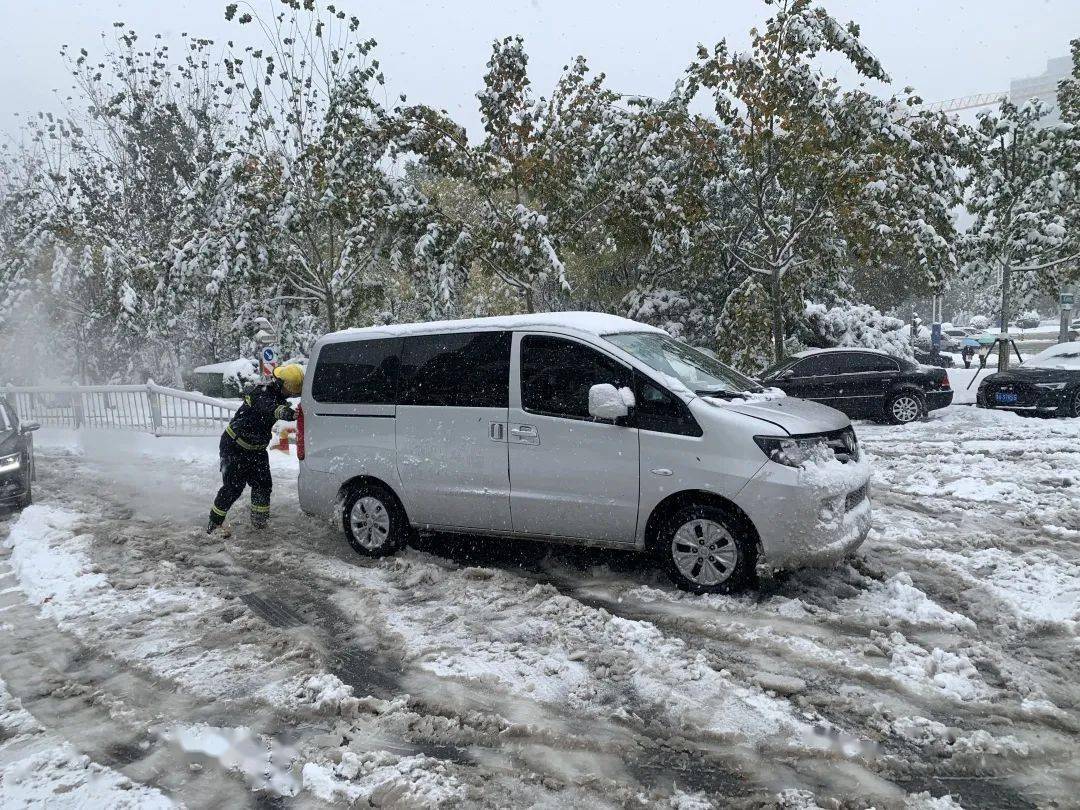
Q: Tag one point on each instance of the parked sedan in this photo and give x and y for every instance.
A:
(863, 383)
(16, 458)
(1047, 383)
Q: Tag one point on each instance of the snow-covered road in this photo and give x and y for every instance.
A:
(144, 663)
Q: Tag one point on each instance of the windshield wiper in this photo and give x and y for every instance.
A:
(719, 392)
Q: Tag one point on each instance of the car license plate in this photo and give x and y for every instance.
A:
(1005, 398)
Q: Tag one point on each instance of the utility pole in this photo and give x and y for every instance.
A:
(1066, 304)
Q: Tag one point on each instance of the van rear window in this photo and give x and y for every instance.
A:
(358, 372)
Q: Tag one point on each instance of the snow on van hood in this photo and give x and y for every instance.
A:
(796, 416)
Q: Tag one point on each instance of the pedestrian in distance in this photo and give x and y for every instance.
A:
(243, 456)
(967, 353)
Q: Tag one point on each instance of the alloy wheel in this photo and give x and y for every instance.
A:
(905, 408)
(704, 552)
(370, 522)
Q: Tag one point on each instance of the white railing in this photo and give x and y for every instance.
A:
(144, 408)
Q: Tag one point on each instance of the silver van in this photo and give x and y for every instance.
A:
(574, 427)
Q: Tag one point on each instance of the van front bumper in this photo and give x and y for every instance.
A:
(806, 518)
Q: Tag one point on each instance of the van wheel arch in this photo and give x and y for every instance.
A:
(368, 480)
(697, 497)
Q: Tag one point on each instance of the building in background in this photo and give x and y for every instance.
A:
(1043, 87)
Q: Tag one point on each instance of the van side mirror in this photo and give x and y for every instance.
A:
(608, 402)
(28, 427)
(786, 374)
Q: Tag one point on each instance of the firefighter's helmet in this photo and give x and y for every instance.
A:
(292, 378)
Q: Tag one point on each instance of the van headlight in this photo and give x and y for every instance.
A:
(11, 462)
(1051, 386)
(793, 452)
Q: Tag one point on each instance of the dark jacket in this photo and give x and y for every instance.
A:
(264, 404)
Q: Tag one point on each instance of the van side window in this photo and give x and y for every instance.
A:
(464, 370)
(556, 375)
(661, 411)
(358, 372)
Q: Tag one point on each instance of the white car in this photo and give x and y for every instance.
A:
(575, 428)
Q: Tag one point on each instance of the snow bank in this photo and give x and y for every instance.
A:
(950, 741)
(538, 644)
(381, 779)
(950, 674)
(1038, 587)
(50, 561)
(139, 620)
(62, 778)
(898, 600)
(15, 721)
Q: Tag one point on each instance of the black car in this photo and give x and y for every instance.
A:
(16, 458)
(863, 383)
(1047, 383)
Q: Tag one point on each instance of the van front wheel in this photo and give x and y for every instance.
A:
(706, 552)
(374, 522)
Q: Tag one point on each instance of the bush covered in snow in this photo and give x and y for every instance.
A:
(979, 322)
(855, 325)
(676, 312)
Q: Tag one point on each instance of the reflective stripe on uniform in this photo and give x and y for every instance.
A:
(279, 411)
(258, 508)
(218, 512)
(241, 442)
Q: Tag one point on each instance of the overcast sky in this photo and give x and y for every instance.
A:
(435, 51)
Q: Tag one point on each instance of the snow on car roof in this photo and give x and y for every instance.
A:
(592, 323)
(808, 352)
(1061, 356)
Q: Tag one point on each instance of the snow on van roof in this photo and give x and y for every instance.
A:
(593, 323)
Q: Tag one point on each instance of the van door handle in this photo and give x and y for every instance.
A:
(524, 434)
(497, 431)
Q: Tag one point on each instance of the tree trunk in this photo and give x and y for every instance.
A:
(1006, 303)
(777, 307)
(331, 312)
(529, 300)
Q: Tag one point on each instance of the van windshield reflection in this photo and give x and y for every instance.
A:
(697, 371)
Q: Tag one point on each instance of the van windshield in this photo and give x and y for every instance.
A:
(694, 369)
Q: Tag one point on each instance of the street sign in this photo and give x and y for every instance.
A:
(1066, 300)
(935, 335)
(268, 354)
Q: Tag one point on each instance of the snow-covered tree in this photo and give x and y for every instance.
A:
(311, 174)
(826, 175)
(1017, 245)
(506, 235)
(856, 326)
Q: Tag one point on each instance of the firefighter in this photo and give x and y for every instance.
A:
(244, 460)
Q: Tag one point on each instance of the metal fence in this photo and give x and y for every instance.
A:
(143, 408)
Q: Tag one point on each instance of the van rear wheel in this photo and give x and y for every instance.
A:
(706, 552)
(374, 522)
